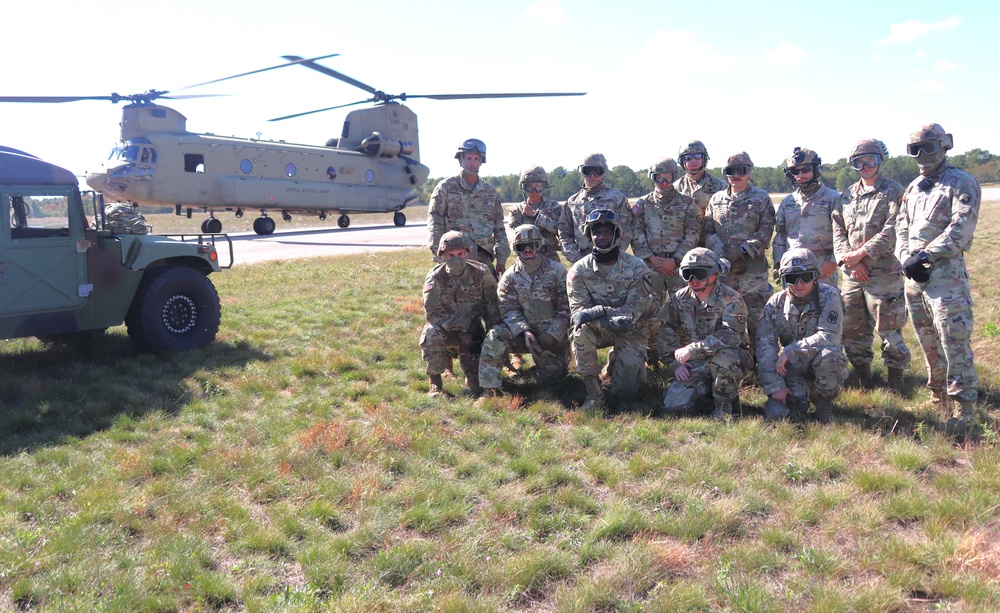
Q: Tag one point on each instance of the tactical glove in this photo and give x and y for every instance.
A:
(619, 323)
(916, 268)
(582, 316)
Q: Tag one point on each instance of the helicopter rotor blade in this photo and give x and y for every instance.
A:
(329, 108)
(470, 96)
(331, 73)
(290, 63)
(53, 99)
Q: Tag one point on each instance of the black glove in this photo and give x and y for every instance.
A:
(582, 316)
(916, 268)
(547, 341)
(619, 323)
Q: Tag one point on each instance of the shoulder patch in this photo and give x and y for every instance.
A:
(428, 287)
(635, 209)
(740, 317)
(832, 317)
(647, 283)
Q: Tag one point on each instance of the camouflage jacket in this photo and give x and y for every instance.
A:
(535, 301)
(575, 243)
(665, 228)
(626, 287)
(455, 304)
(805, 221)
(866, 217)
(783, 328)
(701, 191)
(474, 211)
(705, 327)
(940, 219)
(745, 219)
(547, 220)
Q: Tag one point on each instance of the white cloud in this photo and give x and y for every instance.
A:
(911, 30)
(548, 11)
(921, 53)
(696, 56)
(785, 54)
(927, 86)
(877, 57)
(946, 66)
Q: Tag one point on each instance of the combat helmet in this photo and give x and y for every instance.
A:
(665, 166)
(533, 174)
(693, 147)
(471, 144)
(737, 160)
(595, 159)
(868, 147)
(452, 240)
(799, 157)
(598, 217)
(798, 261)
(698, 259)
(528, 234)
(929, 133)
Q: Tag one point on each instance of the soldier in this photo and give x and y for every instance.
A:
(468, 204)
(738, 226)
(459, 296)
(705, 331)
(667, 225)
(864, 237)
(697, 182)
(933, 231)
(535, 310)
(611, 302)
(799, 341)
(803, 218)
(538, 210)
(594, 195)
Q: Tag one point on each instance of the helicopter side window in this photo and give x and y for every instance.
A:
(39, 215)
(194, 162)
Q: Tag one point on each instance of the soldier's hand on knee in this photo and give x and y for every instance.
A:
(582, 316)
(782, 364)
(682, 373)
(529, 339)
(619, 323)
(781, 396)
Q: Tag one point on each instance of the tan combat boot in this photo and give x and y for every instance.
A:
(472, 386)
(436, 387)
(895, 379)
(595, 395)
(723, 410)
(943, 403)
(864, 374)
(968, 419)
(449, 367)
(824, 409)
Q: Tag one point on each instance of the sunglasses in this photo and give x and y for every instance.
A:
(687, 157)
(658, 178)
(791, 278)
(927, 148)
(799, 170)
(529, 246)
(692, 272)
(865, 161)
(733, 171)
(592, 171)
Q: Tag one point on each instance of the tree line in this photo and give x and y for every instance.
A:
(563, 183)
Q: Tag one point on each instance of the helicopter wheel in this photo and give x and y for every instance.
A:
(343, 221)
(286, 216)
(211, 226)
(399, 219)
(263, 226)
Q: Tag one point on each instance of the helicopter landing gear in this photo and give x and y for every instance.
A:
(239, 213)
(343, 221)
(263, 226)
(322, 216)
(286, 216)
(211, 226)
(399, 219)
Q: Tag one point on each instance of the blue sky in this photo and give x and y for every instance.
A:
(733, 74)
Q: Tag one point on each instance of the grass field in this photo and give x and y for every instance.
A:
(298, 465)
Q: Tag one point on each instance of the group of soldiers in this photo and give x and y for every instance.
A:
(695, 294)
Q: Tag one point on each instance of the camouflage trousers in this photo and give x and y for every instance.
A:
(877, 305)
(716, 378)
(663, 288)
(500, 342)
(755, 302)
(824, 374)
(435, 343)
(941, 311)
(627, 359)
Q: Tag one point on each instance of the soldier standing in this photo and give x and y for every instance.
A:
(739, 223)
(933, 231)
(465, 203)
(594, 195)
(538, 210)
(535, 311)
(864, 239)
(799, 341)
(611, 302)
(803, 218)
(705, 331)
(697, 182)
(667, 225)
(459, 296)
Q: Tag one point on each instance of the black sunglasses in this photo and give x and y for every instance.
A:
(799, 171)
(692, 272)
(733, 171)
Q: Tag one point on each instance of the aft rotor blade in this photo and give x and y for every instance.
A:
(330, 73)
(292, 63)
(329, 108)
(468, 96)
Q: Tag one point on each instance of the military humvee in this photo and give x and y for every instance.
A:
(67, 278)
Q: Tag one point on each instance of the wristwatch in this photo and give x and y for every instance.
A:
(922, 257)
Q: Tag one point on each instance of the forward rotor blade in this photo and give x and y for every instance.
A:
(468, 96)
(188, 96)
(329, 108)
(330, 73)
(48, 99)
(292, 63)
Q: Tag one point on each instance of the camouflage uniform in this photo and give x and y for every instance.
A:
(701, 192)
(530, 301)
(811, 338)
(572, 221)
(547, 220)
(743, 220)
(938, 216)
(473, 210)
(805, 221)
(715, 331)
(456, 307)
(866, 217)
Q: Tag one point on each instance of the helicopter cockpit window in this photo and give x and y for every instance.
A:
(194, 162)
(148, 156)
(290, 169)
(38, 215)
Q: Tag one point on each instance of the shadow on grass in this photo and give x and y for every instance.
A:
(49, 394)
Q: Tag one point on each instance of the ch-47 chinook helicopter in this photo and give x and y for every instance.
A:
(373, 167)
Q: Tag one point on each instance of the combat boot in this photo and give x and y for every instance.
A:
(968, 419)
(489, 393)
(449, 370)
(864, 375)
(895, 379)
(943, 403)
(595, 395)
(653, 357)
(472, 386)
(824, 409)
(436, 387)
(723, 410)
